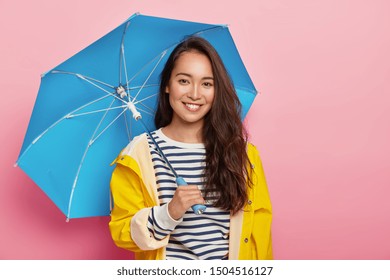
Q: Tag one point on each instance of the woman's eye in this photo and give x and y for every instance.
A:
(207, 84)
(183, 81)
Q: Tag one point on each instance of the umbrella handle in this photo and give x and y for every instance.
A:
(198, 208)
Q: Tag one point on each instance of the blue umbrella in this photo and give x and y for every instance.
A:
(83, 115)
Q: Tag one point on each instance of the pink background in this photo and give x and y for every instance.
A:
(321, 121)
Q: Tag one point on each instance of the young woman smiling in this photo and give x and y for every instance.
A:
(201, 134)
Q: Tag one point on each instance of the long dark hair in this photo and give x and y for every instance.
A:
(224, 135)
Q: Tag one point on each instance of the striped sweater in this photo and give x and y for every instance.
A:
(194, 236)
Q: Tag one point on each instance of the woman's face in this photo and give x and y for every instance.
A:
(191, 88)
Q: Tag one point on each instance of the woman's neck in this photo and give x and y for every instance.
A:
(184, 133)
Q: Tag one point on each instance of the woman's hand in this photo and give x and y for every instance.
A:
(184, 198)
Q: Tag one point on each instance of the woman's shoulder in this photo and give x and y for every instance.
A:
(254, 155)
(138, 142)
(252, 149)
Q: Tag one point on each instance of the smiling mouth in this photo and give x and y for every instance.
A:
(192, 107)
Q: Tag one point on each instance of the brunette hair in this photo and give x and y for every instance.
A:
(224, 135)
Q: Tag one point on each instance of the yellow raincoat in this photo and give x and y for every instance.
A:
(133, 186)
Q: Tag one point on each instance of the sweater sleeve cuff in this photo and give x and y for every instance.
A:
(163, 219)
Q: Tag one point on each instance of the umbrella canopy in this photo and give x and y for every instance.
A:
(81, 118)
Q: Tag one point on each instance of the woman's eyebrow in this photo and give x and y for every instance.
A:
(185, 74)
(190, 76)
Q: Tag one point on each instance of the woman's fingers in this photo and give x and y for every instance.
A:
(184, 198)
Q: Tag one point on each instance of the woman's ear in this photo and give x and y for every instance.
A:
(167, 89)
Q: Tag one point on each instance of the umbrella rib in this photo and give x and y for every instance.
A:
(111, 123)
(91, 81)
(247, 89)
(101, 120)
(146, 86)
(125, 68)
(122, 53)
(147, 107)
(96, 111)
(140, 71)
(80, 75)
(127, 78)
(128, 128)
(86, 105)
(208, 29)
(140, 101)
(150, 74)
(142, 110)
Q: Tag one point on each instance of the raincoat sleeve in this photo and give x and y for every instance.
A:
(160, 223)
(263, 213)
(256, 242)
(131, 209)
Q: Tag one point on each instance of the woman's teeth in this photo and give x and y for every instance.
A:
(192, 106)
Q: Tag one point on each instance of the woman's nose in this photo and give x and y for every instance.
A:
(194, 93)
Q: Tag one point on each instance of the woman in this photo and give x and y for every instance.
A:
(200, 131)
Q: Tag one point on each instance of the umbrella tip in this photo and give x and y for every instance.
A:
(133, 15)
(67, 219)
(16, 164)
(44, 74)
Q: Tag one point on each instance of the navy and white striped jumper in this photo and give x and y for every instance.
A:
(194, 236)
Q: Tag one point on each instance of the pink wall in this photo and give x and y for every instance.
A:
(321, 121)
